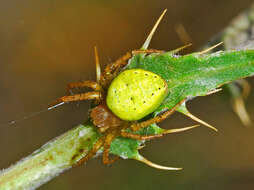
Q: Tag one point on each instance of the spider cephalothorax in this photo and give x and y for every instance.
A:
(123, 97)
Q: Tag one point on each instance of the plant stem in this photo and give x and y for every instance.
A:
(50, 160)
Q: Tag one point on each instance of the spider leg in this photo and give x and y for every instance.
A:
(139, 137)
(148, 137)
(113, 69)
(134, 52)
(157, 119)
(92, 152)
(110, 71)
(118, 63)
(122, 61)
(90, 84)
(109, 138)
(76, 97)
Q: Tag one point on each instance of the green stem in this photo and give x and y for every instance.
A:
(50, 160)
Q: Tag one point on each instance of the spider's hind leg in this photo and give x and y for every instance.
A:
(109, 138)
(149, 137)
(99, 143)
(157, 119)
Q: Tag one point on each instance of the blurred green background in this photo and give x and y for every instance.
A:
(46, 44)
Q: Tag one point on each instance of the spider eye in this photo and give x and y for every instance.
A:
(135, 93)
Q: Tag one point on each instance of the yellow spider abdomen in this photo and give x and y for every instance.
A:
(135, 93)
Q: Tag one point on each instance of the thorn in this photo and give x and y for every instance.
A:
(182, 33)
(184, 111)
(151, 164)
(167, 131)
(240, 110)
(200, 121)
(210, 48)
(214, 91)
(149, 38)
(180, 48)
(140, 147)
(97, 63)
(245, 87)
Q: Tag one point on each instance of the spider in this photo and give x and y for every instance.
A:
(108, 122)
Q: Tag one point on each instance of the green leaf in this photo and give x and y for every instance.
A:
(128, 148)
(187, 76)
(195, 74)
(124, 147)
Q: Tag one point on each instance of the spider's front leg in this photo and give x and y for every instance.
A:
(90, 84)
(77, 97)
(113, 69)
(96, 95)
